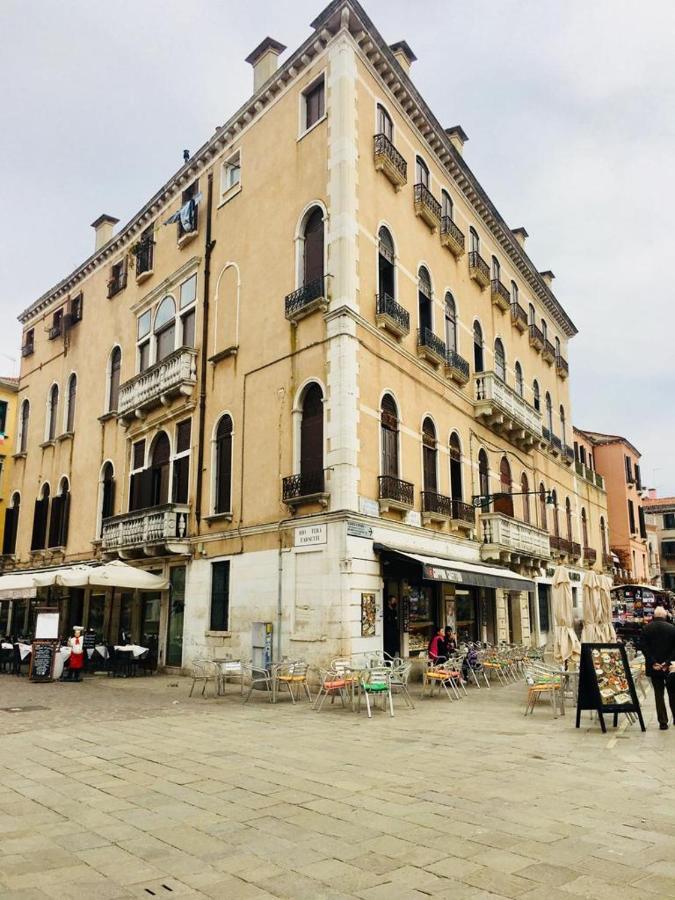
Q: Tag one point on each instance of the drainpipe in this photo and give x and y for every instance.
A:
(208, 249)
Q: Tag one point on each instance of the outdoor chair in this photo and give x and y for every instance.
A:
(293, 676)
(400, 673)
(542, 683)
(258, 680)
(376, 682)
(205, 671)
(472, 667)
(333, 684)
(441, 675)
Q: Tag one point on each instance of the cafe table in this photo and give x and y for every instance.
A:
(135, 649)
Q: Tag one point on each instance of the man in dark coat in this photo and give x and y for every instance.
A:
(658, 646)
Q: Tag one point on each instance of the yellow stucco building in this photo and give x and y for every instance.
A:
(303, 383)
(8, 392)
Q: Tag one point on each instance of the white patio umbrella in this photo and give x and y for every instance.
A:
(566, 644)
(113, 574)
(609, 633)
(593, 632)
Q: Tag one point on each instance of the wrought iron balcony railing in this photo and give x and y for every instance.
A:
(296, 488)
(590, 555)
(464, 512)
(479, 269)
(500, 294)
(548, 352)
(546, 433)
(556, 443)
(306, 300)
(536, 337)
(427, 206)
(389, 161)
(456, 367)
(437, 504)
(452, 237)
(28, 349)
(568, 455)
(144, 257)
(395, 489)
(607, 561)
(519, 316)
(392, 315)
(562, 366)
(430, 346)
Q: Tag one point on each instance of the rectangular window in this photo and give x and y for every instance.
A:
(28, 343)
(188, 220)
(144, 252)
(638, 482)
(631, 516)
(143, 356)
(188, 292)
(314, 103)
(181, 463)
(3, 417)
(188, 327)
(641, 520)
(669, 520)
(57, 325)
(220, 596)
(629, 469)
(118, 278)
(231, 173)
(76, 306)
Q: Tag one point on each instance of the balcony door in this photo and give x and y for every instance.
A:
(311, 439)
(159, 469)
(455, 468)
(313, 248)
(424, 300)
(389, 436)
(429, 456)
(504, 503)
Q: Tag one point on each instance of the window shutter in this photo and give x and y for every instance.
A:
(314, 247)
(181, 471)
(9, 538)
(65, 515)
(148, 481)
(55, 521)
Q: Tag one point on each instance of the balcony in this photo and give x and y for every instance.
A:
(514, 543)
(395, 494)
(154, 531)
(589, 475)
(518, 317)
(590, 556)
(607, 561)
(436, 507)
(564, 548)
(27, 350)
(308, 487)
(430, 347)
(548, 352)
(568, 455)
(536, 338)
(306, 300)
(174, 376)
(144, 259)
(456, 368)
(500, 295)
(506, 412)
(562, 366)
(452, 237)
(389, 161)
(56, 330)
(555, 447)
(479, 269)
(427, 206)
(391, 316)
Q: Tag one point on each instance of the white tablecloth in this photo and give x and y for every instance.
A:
(62, 655)
(24, 650)
(6, 646)
(132, 648)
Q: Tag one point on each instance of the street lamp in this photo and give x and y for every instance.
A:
(484, 500)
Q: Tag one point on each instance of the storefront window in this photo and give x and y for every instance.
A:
(421, 618)
(174, 639)
(466, 614)
(96, 616)
(126, 621)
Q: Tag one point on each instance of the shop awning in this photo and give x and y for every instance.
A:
(455, 571)
(113, 574)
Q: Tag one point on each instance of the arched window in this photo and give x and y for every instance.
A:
(385, 125)
(520, 387)
(557, 347)
(447, 209)
(389, 436)
(514, 292)
(24, 418)
(556, 522)
(500, 360)
(562, 425)
(603, 535)
(474, 240)
(496, 269)
(450, 323)
(223, 466)
(504, 503)
(107, 493)
(11, 526)
(429, 479)
(483, 477)
(455, 468)
(531, 314)
(549, 413)
(165, 328)
(311, 441)
(421, 172)
(543, 524)
(58, 521)
(478, 347)
(568, 519)
(424, 299)
(385, 261)
(40, 519)
(52, 412)
(114, 379)
(544, 329)
(70, 400)
(584, 527)
(524, 488)
(312, 247)
(160, 455)
(536, 396)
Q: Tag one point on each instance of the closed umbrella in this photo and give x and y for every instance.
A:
(609, 633)
(566, 644)
(113, 574)
(593, 632)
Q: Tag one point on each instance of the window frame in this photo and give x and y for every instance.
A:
(70, 405)
(305, 125)
(422, 173)
(382, 118)
(222, 624)
(230, 165)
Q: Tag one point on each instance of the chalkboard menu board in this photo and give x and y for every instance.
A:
(42, 660)
(89, 640)
(606, 683)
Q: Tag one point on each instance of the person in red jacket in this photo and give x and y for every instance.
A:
(76, 659)
(436, 648)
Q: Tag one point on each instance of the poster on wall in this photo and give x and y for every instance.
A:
(606, 683)
(368, 615)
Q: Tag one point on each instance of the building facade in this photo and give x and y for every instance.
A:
(352, 424)
(618, 462)
(660, 517)
(8, 394)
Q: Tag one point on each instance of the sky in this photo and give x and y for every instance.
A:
(569, 106)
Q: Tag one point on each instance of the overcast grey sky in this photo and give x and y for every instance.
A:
(568, 104)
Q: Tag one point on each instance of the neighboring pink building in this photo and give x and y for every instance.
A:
(618, 461)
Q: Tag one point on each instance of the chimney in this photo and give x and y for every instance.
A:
(265, 60)
(651, 493)
(520, 235)
(404, 55)
(103, 226)
(458, 137)
(548, 277)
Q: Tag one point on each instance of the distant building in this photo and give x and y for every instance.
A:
(660, 514)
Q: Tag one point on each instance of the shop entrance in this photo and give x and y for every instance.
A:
(391, 619)
(174, 631)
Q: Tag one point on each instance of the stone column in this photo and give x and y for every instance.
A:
(501, 615)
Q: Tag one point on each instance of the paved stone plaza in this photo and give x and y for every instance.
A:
(129, 789)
